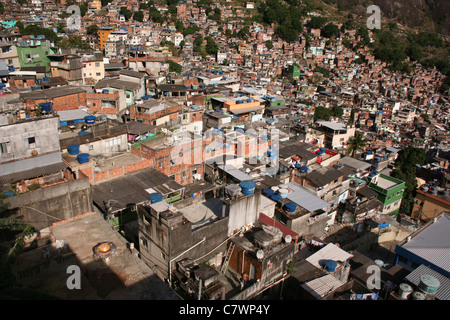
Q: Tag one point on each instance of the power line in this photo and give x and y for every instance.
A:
(41, 212)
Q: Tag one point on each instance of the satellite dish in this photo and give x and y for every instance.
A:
(288, 238)
(260, 254)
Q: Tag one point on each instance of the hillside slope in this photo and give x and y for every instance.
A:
(429, 15)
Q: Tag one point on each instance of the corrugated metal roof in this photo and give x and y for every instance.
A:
(355, 163)
(320, 287)
(236, 173)
(443, 292)
(432, 243)
(33, 173)
(70, 115)
(131, 189)
(329, 252)
(304, 199)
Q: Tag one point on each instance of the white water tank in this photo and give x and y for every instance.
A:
(404, 290)
(417, 295)
(428, 284)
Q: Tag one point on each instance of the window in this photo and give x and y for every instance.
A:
(4, 147)
(144, 242)
(31, 142)
(97, 64)
(113, 142)
(98, 74)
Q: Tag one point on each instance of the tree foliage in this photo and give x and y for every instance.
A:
(355, 143)
(35, 30)
(330, 30)
(126, 13)
(211, 46)
(287, 16)
(174, 67)
(138, 16)
(405, 170)
(74, 42)
(316, 22)
(322, 113)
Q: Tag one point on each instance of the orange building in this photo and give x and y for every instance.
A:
(103, 34)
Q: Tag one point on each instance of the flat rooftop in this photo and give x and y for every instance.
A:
(203, 213)
(123, 277)
(385, 183)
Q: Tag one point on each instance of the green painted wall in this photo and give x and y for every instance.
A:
(38, 55)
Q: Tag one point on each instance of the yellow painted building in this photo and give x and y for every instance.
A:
(94, 5)
(103, 34)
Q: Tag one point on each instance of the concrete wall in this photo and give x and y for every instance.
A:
(243, 211)
(107, 147)
(43, 207)
(44, 131)
(165, 242)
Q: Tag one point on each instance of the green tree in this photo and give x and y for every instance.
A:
(92, 30)
(191, 29)
(198, 41)
(316, 22)
(155, 15)
(286, 33)
(35, 30)
(355, 143)
(174, 67)
(330, 30)
(405, 170)
(211, 46)
(324, 71)
(322, 113)
(269, 44)
(83, 9)
(138, 16)
(74, 41)
(11, 229)
(126, 13)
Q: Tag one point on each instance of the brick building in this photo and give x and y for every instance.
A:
(62, 98)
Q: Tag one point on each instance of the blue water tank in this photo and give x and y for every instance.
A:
(82, 132)
(73, 149)
(83, 158)
(155, 197)
(105, 91)
(9, 194)
(248, 187)
(46, 106)
(330, 265)
(275, 197)
(290, 207)
(89, 119)
(268, 192)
